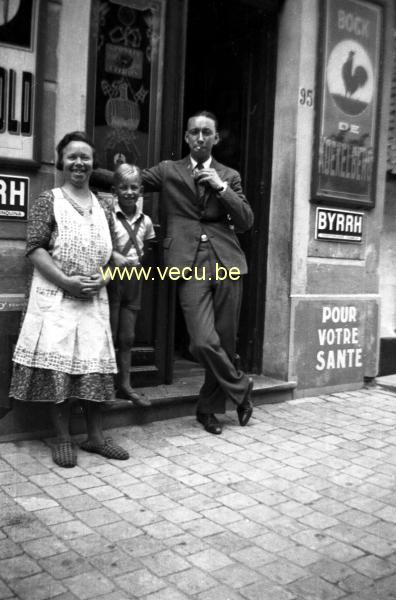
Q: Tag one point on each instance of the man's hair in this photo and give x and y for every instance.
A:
(73, 136)
(207, 114)
(126, 170)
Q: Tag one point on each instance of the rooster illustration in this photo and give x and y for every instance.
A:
(354, 78)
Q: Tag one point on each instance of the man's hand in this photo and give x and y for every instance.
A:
(211, 177)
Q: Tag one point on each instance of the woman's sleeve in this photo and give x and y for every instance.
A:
(41, 223)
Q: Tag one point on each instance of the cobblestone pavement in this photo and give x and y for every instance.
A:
(298, 505)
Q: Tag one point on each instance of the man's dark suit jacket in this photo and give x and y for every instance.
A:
(186, 219)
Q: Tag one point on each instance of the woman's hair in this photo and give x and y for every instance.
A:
(125, 170)
(74, 136)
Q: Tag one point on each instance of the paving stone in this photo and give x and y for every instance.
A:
(114, 563)
(20, 488)
(119, 531)
(312, 538)
(210, 560)
(180, 514)
(202, 527)
(373, 567)
(24, 527)
(8, 549)
(62, 490)
(79, 502)
(265, 590)
(43, 547)
(142, 582)
(37, 587)
(259, 513)
(220, 593)
(169, 593)
(226, 541)
(44, 479)
(98, 516)
(376, 545)
(331, 570)
(283, 572)
(64, 565)
(247, 529)
(355, 583)
(52, 516)
(91, 545)
(341, 552)
(165, 563)
(315, 588)
(144, 546)
(88, 585)
(185, 544)
(70, 529)
(104, 492)
(252, 556)
(198, 502)
(222, 515)
(17, 567)
(193, 581)
(300, 555)
(357, 518)
(5, 592)
(85, 481)
(318, 520)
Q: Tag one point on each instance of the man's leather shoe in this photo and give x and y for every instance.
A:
(210, 423)
(245, 410)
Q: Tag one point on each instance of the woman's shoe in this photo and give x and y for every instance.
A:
(64, 455)
(107, 448)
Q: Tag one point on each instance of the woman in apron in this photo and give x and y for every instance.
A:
(65, 350)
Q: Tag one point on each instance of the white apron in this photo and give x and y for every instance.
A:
(61, 332)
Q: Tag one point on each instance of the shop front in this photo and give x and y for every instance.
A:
(295, 120)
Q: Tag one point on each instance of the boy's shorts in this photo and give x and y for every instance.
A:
(126, 293)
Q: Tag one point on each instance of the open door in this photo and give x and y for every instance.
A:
(230, 70)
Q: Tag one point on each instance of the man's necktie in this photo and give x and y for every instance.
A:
(201, 187)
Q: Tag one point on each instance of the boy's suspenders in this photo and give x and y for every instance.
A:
(132, 235)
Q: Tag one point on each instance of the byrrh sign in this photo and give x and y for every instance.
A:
(18, 41)
(336, 225)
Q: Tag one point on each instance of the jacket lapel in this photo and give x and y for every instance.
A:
(184, 170)
(219, 168)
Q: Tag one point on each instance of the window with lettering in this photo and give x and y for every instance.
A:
(128, 45)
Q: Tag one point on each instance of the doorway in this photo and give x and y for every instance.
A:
(230, 71)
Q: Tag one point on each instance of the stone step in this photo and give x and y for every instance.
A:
(178, 399)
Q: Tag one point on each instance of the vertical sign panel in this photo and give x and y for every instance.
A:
(346, 136)
(18, 46)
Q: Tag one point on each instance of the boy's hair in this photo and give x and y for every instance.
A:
(126, 170)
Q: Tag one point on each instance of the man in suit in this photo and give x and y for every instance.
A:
(204, 203)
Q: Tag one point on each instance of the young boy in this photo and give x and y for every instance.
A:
(132, 228)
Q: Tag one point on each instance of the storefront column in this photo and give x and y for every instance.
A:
(322, 302)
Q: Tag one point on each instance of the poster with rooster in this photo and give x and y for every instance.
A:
(347, 112)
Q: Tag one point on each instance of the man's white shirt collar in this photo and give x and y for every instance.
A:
(206, 164)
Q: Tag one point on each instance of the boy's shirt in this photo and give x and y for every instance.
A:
(140, 223)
